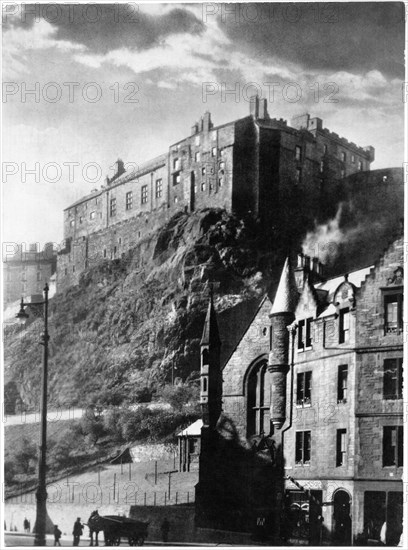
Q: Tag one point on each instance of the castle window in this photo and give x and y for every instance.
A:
(129, 200)
(159, 188)
(176, 178)
(341, 447)
(72, 223)
(393, 302)
(219, 182)
(104, 253)
(298, 176)
(360, 165)
(144, 194)
(175, 200)
(392, 445)
(197, 157)
(393, 378)
(197, 140)
(303, 444)
(214, 152)
(92, 215)
(304, 388)
(80, 219)
(113, 207)
(298, 153)
(258, 400)
(203, 171)
(222, 165)
(205, 384)
(321, 166)
(305, 333)
(203, 186)
(342, 376)
(176, 164)
(343, 157)
(344, 325)
(353, 158)
(324, 149)
(211, 185)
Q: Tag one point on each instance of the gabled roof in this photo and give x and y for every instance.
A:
(193, 429)
(330, 286)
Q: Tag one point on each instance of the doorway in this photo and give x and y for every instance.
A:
(342, 518)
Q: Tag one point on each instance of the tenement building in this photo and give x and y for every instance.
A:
(25, 271)
(303, 426)
(251, 166)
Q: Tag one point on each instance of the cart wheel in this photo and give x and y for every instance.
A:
(116, 540)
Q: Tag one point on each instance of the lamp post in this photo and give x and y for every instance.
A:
(41, 494)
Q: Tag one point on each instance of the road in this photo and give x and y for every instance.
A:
(20, 539)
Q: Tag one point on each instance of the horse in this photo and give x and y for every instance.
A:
(95, 524)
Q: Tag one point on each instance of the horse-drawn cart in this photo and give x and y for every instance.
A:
(116, 527)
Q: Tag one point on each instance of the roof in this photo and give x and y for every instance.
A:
(286, 296)
(356, 278)
(193, 429)
(211, 334)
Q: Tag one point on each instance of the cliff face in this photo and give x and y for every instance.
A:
(130, 323)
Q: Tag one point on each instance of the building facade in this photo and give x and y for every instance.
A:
(251, 166)
(25, 272)
(314, 387)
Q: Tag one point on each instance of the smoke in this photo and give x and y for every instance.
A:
(325, 239)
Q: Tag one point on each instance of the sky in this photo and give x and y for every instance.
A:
(86, 84)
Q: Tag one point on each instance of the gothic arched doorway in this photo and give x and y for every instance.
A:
(342, 518)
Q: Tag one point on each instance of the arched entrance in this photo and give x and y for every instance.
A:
(342, 518)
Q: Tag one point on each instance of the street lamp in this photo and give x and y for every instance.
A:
(41, 494)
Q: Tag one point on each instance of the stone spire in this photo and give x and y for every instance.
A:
(287, 295)
(211, 333)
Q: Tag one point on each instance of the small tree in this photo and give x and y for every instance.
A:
(179, 396)
(25, 454)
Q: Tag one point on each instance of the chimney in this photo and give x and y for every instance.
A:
(207, 121)
(119, 168)
(194, 129)
(300, 122)
(315, 124)
(254, 106)
(263, 109)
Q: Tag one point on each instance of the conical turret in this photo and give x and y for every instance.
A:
(211, 377)
(282, 315)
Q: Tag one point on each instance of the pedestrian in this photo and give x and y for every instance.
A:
(165, 528)
(57, 536)
(77, 532)
(383, 533)
(25, 525)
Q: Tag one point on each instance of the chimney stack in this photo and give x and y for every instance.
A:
(207, 121)
(254, 106)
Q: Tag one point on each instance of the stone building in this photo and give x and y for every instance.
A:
(311, 409)
(25, 272)
(251, 166)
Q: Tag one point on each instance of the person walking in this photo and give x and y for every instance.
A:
(165, 528)
(25, 525)
(57, 536)
(77, 532)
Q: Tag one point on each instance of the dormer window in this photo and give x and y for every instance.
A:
(393, 303)
(344, 325)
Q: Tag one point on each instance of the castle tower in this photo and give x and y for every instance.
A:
(211, 377)
(282, 314)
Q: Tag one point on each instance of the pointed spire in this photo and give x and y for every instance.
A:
(286, 296)
(211, 333)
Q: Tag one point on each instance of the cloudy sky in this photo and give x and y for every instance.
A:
(127, 80)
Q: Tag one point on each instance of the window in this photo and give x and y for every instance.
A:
(298, 153)
(72, 223)
(321, 166)
(353, 158)
(360, 166)
(176, 164)
(92, 215)
(203, 171)
(214, 152)
(324, 149)
(258, 400)
(176, 179)
(343, 157)
(73, 269)
(302, 448)
(104, 253)
(304, 388)
(305, 333)
(192, 446)
(342, 376)
(342, 173)
(393, 378)
(214, 135)
(197, 157)
(392, 445)
(393, 313)
(298, 176)
(344, 325)
(203, 186)
(129, 200)
(341, 447)
(113, 207)
(219, 182)
(80, 219)
(175, 200)
(197, 140)
(144, 194)
(159, 188)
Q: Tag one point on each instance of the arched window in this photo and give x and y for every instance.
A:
(205, 357)
(258, 400)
